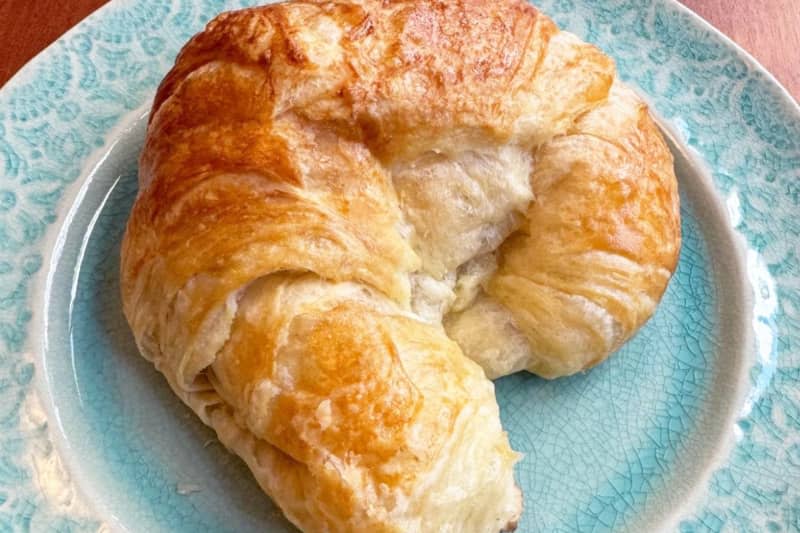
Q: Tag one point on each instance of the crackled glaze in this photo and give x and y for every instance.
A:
(665, 433)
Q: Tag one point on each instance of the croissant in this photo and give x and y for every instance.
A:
(341, 204)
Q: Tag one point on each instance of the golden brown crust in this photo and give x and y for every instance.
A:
(601, 238)
(311, 169)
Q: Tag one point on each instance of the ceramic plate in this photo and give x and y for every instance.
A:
(693, 426)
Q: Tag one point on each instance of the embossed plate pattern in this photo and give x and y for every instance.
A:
(694, 426)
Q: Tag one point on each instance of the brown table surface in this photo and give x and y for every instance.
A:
(768, 29)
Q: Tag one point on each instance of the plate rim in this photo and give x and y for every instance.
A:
(28, 72)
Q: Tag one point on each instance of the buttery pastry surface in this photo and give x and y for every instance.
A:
(593, 254)
(338, 201)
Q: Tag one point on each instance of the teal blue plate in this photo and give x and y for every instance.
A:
(693, 426)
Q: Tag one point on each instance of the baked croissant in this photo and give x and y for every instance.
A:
(329, 193)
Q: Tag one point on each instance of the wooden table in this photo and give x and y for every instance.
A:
(769, 29)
